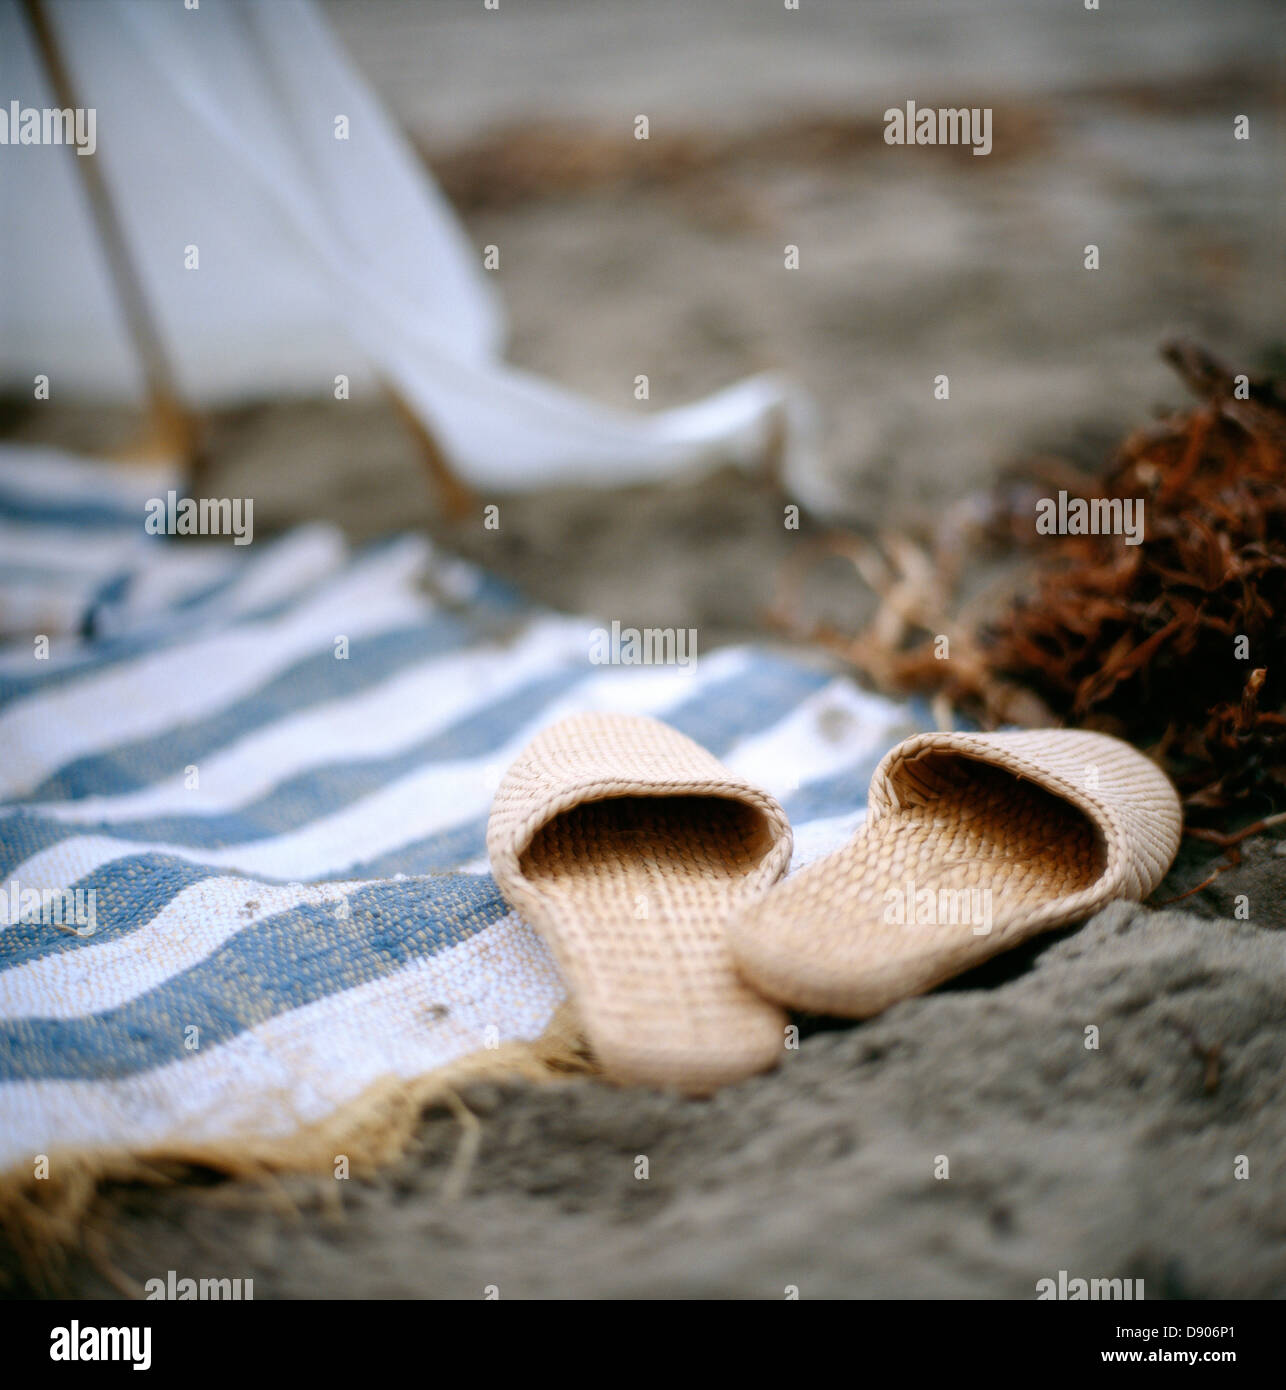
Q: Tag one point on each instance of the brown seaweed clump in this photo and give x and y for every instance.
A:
(1179, 641)
(1176, 643)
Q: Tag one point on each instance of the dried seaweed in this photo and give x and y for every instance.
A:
(1177, 643)
(1180, 640)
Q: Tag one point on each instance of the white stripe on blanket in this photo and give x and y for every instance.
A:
(373, 723)
(47, 731)
(300, 1066)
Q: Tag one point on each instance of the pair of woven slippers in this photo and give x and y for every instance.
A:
(653, 873)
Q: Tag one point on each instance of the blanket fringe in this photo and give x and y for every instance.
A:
(45, 1220)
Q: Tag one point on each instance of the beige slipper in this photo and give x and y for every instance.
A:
(627, 846)
(973, 843)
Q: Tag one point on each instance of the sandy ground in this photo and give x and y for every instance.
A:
(1114, 1162)
(1118, 1161)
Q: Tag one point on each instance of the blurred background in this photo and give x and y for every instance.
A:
(623, 257)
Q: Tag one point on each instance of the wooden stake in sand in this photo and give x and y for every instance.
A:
(173, 430)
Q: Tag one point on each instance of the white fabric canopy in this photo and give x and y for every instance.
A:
(318, 256)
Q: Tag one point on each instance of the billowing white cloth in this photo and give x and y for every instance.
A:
(318, 256)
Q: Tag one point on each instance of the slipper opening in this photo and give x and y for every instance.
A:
(1007, 817)
(713, 836)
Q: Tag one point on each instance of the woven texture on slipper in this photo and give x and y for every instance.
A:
(973, 844)
(1130, 800)
(628, 846)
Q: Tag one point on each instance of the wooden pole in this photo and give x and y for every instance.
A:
(173, 427)
(458, 501)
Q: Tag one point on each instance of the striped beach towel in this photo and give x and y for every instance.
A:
(247, 914)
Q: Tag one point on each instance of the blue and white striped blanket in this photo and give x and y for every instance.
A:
(271, 768)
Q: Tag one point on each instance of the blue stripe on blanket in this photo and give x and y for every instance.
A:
(746, 703)
(310, 681)
(718, 716)
(102, 516)
(283, 963)
(190, 615)
(128, 894)
(22, 835)
(296, 801)
(836, 795)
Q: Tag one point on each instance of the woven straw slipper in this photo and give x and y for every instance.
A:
(973, 843)
(627, 846)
